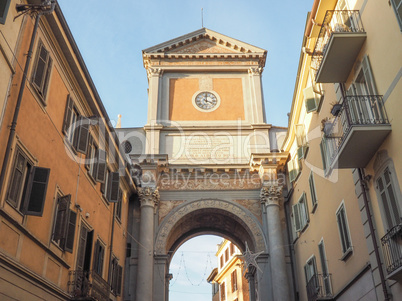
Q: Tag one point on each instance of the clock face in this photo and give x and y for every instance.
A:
(206, 100)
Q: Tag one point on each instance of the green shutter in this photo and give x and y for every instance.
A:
(310, 99)
(114, 187)
(368, 75)
(323, 156)
(36, 191)
(69, 241)
(101, 166)
(4, 5)
(82, 135)
(60, 226)
(296, 217)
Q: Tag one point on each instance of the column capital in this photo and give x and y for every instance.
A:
(151, 72)
(255, 71)
(271, 195)
(149, 196)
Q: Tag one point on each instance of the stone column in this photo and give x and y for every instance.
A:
(258, 112)
(149, 198)
(161, 281)
(271, 197)
(251, 283)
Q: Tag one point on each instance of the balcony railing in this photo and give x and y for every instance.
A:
(356, 132)
(392, 249)
(319, 287)
(87, 285)
(338, 44)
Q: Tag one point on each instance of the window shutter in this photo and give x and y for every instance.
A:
(4, 5)
(61, 217)
(67, 114)
(338, 92)
(69, 241)
(17, 178)
(81, 248)
(305, 207)
(119, 278)
(82, 135)
(47, 76)
(310, 99)
(88, 158)
(36, 191)
(323, 156)
(114, 187)
(368, 75)
(101, 166)
(41, 68)
(296, 216)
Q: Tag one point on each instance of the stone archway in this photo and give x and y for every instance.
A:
(206, 216)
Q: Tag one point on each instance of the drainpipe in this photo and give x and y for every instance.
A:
(18, 104)
(372, 233)
(290, 244)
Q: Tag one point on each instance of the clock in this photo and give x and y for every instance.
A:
(206, 100)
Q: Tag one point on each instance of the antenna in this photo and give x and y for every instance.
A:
(202, 17)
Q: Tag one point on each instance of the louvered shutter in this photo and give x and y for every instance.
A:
(67, 114)
(45, 83)
(310, 99)
(4, 5)
(96, 256)
(41, 67)
(36, 191)
(323, 155)
(296, 216)
(368, 75)
(119, 278)
(81, 248)
(70, 232)
(82, 135)
(114, 187)
(88, 159)
(17, 178)
(60, 226)
(101, 166)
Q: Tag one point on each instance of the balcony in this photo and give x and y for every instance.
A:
(356, 132)
(319, 288)
(392, 249)
(339, 42)
(88, 286)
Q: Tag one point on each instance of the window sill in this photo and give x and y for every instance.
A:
(38, 96)
(347, 254)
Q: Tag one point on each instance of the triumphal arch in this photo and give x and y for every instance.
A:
(207, 162)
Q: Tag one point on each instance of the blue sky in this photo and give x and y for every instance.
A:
(112, 34)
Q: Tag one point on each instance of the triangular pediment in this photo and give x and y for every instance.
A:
(204, 41)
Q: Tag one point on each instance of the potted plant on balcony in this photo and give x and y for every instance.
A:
(326, 126)
(336, 108)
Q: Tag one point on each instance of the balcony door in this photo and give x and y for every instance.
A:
(83, 264)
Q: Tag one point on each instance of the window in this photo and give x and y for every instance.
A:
(110, 187)
(41, 70)
(226, 255)
(397, 5)
(324, 268)
(75, 127)
(312, 191)
(64, 224)
(119, 205)
(233, 277)
(232, 249)
(300, 213)
(28, 185)
(293, 169)
(84, 248)
(312, 285)
(313, 94)
(343, 230)
(221, 261)
(222, 291)
(301, 140)
(388, 198)
(96, 162)
(99, 254)
(4, 5)
(116, 277)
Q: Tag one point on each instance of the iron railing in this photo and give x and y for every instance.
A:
(392, 248)
(363, 110)
(335, 21)
(319, 287)
(87, 285)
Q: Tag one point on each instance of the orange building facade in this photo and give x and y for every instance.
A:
(64, 185)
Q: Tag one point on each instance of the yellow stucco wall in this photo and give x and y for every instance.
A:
(182, 90)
